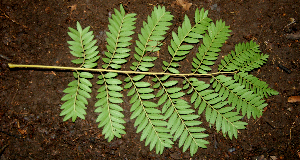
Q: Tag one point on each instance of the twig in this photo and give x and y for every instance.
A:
(291, 129)
(292, 22)
(3, 149)
(4, 57)
(13, 20)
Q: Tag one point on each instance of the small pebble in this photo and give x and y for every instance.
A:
(214, 7)
(231, 149)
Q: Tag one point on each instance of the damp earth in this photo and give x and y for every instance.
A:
(35, 32)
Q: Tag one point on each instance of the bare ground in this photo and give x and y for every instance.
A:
(35, 32)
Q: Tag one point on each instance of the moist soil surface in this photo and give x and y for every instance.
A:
(35, 32)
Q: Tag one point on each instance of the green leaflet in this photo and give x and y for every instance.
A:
(246, 57)
(175, 109)
(239, 96)
(208, 51)
(78, 90)
(161, 110)
(110, 116)
(254, 84)
(188, 34)
(121, 27)
(181, 122)
(147, 118)
(216, 110)
(152, 33)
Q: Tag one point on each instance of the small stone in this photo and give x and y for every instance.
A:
(231, 150)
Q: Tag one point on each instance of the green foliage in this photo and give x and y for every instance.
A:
(216, 109)
(160, 108)
(212, 42)
(79, 90)
(246, 57)
(148, 117)
(254, 84)
(151, 37)
(110, 113)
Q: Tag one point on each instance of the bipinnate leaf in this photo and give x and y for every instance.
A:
(161, 109)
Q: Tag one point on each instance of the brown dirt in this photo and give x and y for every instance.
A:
(35, 32)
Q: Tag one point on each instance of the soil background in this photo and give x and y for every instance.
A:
(35, 32)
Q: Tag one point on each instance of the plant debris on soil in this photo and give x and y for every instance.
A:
(35, 32)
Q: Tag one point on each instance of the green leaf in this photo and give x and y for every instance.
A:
(173, 90)
(86, 75)
(119, 61)
(177, 95)
(113, 81)
(173, 70)
(185, 47)
(85, 87)
(115, 100)
(115, 94)
(170, 83)
(145, 90)
(147, 96)
(78, 61)
(114, 88)
(225, 101)
(110, 75)
(142, 84)
(138, 77)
